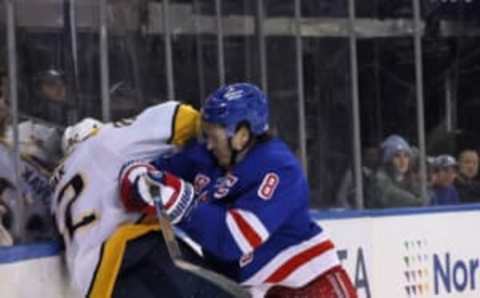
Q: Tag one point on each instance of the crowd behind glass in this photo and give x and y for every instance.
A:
(55, 90)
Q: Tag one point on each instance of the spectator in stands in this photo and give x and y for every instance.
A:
(395, 183)
(345, 196)
(445, 171)
(466, 183)
(51, 84)
(50, 95)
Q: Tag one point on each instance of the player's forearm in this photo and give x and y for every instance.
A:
(207, 226)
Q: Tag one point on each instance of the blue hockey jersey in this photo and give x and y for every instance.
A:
(252, 221)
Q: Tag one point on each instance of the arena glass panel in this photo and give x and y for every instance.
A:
(66, 39)
(131, 84)
(85, 58)
(232, 42)
(38, 109)
(452, 101)
(8, 173)
(199, 49)
(251, 34)
(282, 74)
(242, 42)
(186, 38)
(328, 104)
(42, 51)
(389, 105)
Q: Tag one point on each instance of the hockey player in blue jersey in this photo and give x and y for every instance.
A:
(242, 195)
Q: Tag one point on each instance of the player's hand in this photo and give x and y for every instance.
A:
(134, 190)
(148, 185)
(143, 187)
(173, 195)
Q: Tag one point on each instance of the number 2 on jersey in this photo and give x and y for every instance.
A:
(68, 195)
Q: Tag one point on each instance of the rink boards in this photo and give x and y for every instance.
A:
(429, 252)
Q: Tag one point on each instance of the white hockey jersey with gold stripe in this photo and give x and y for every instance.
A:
(87, 207)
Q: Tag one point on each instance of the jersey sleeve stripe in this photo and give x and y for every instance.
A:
(255, 223)
(174, 121)
(237, 235)
(246, 228)
(185, 124)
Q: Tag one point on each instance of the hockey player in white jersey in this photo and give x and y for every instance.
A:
(110, 252)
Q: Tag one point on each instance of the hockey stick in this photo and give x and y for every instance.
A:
(219, 280)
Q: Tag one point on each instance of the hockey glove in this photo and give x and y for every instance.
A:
(132, 191)
(143, 185)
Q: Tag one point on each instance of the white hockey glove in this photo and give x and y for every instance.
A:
(142, 185)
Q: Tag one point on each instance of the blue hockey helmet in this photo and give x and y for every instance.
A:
(236, 103)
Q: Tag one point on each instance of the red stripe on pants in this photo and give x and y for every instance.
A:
(321, 287)
(293, 263)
